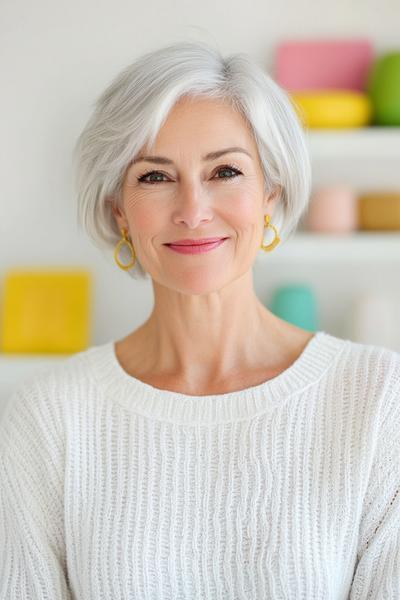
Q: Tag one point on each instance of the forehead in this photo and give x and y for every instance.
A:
(198, 111)
(204, 125)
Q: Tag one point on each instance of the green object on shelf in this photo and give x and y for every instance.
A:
(384, 89)
(296, 303)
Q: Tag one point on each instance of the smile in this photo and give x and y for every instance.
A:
(196, 248)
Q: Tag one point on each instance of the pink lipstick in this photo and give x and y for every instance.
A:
(196, 246)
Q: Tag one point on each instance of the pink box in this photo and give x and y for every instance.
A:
(304, 65)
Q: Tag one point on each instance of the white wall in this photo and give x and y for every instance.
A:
(57, 57)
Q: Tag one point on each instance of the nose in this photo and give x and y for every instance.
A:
(192, 205)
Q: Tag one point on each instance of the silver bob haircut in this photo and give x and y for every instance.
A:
(131, 110)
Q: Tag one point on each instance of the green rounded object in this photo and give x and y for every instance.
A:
(383, 88)
(296, 304)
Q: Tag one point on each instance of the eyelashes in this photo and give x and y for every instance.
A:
(228, 167)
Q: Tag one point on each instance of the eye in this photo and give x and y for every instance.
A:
(225, 168)
(142, 178)
(231, 168)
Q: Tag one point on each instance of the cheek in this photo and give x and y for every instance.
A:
(242, 209)
(144, 215)
(144, 220)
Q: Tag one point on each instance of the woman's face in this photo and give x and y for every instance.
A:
(189, 189)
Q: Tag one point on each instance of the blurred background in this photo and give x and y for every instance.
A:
(339, 61)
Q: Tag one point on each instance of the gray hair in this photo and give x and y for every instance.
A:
(132, 109)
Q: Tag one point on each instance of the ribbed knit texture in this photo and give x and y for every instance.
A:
(112, 489)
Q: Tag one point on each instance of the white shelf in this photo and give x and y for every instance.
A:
(359, 143)
(322, 247)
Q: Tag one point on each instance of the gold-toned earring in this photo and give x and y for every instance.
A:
(276, 239)
(121, 242)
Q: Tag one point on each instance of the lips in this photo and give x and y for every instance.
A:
(196, 248)
(195, 242)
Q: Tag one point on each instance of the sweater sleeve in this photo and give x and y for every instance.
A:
(32, 549)
(377, 571)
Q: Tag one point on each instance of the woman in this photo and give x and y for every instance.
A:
(217, 451)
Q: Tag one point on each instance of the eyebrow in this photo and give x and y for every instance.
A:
(210, 156)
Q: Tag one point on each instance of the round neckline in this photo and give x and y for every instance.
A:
(143, 398)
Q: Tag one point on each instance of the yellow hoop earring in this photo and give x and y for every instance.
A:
(276, 239)
(121, 242)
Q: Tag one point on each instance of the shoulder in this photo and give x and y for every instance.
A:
(371, 374)
(379, 365)
(360, 357)
(369, 364)
(36, 407)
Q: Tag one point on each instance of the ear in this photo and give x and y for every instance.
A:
(272, 198)
(117, 212)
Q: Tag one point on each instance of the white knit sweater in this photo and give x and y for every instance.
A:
(112, 489)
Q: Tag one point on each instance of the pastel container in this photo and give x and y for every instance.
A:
(324, 64)
(332, 209)
(296, 304)
(379, 211)
(333, 109)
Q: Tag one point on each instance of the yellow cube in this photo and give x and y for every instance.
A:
(46, 311)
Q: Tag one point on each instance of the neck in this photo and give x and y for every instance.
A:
(197, 339)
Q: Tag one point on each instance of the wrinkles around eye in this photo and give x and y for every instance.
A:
(144, 177)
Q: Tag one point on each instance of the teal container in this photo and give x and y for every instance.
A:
(296, 304)
(384, 89)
